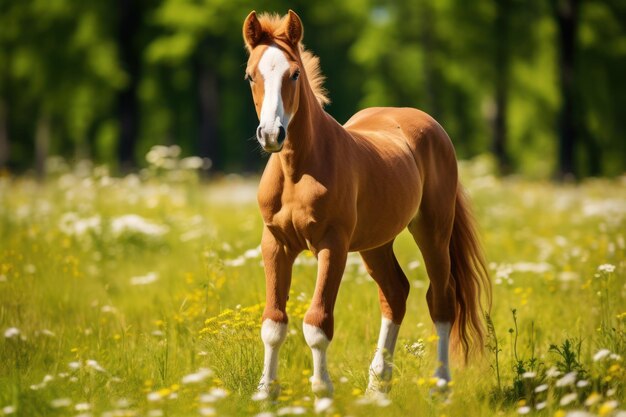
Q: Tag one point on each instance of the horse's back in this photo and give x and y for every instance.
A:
(429, 143)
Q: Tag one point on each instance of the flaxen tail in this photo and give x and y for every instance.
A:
(471, 280)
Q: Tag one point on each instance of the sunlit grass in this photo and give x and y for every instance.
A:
(142, 296)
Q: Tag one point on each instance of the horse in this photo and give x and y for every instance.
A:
(335, 189)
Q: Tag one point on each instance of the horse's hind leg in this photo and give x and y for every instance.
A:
(393, 290)
(432, 230)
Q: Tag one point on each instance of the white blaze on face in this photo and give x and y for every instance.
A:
(273, 65)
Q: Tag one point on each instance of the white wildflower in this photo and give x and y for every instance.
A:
(567, 276)
(134, 224)
(414, 265)
(206, 411)
(82, 407)
(295, 410)
(12, 333)
(529, 375)
(153, 396)
(264, 414)
(155, 413)
(417, 349)
(191, 162)
(122, 403)
(606, 268)
(73, 225)
(552, 372)
(94, 365)
(201, 375)
(323, 404)
(60, 402)
(601, 354)
(219, 393)
(9, 409)
(567, 379)
(541, 405)
(541, 388)
(149, 278)
(568, 398)
(253, 253)
(207, 398)
(582, 383)
(74, 365)
(579, 413)
(523, 410)
(239, 261)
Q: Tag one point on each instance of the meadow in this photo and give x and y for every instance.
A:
(142, 296)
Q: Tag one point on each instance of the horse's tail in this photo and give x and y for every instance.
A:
(471, 280)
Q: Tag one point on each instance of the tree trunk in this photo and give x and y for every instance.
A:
(4, 135)
(42, 145)
(566, 14)
(128, 107)
(501, 65)
(208, 106)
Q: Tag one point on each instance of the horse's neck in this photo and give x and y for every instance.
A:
(305, 137)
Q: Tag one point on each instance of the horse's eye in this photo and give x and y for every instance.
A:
(295, 75)
(248, 78)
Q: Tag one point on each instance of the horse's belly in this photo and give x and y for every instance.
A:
(385, 208)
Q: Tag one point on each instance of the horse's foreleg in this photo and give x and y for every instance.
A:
(393, 290)
(278, 263)
(318, 320)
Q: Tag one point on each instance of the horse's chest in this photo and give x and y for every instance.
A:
(296, 212)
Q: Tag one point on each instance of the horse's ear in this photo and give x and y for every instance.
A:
(252, 31)
(293, 28)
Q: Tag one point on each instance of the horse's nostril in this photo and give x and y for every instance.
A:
(258, 132)
(281, 135)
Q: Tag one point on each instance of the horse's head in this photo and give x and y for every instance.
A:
(273, 70)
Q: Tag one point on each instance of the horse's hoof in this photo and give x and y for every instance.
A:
(322, 388)
(372, 396)
(441, 389)
(267, 391)
(378, 387)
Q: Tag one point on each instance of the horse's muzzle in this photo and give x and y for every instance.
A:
(271, 141)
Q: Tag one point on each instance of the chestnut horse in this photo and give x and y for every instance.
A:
(334, 189)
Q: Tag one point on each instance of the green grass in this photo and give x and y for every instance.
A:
(71, 316)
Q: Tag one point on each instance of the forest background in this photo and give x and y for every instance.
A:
(538, 84)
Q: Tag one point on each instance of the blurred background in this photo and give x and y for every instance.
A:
(540, 85)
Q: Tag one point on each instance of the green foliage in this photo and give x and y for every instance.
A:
(63, 69)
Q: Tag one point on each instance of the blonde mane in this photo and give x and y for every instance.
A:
(271, 24)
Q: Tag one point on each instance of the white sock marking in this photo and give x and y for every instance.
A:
(273, 335)
(382, 364)
(443, 332)
(318, 342)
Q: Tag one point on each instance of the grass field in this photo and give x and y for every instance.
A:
(141, 296)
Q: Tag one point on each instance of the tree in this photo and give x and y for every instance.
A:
(566, 13)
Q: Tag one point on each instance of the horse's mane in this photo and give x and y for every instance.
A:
(271, 23)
